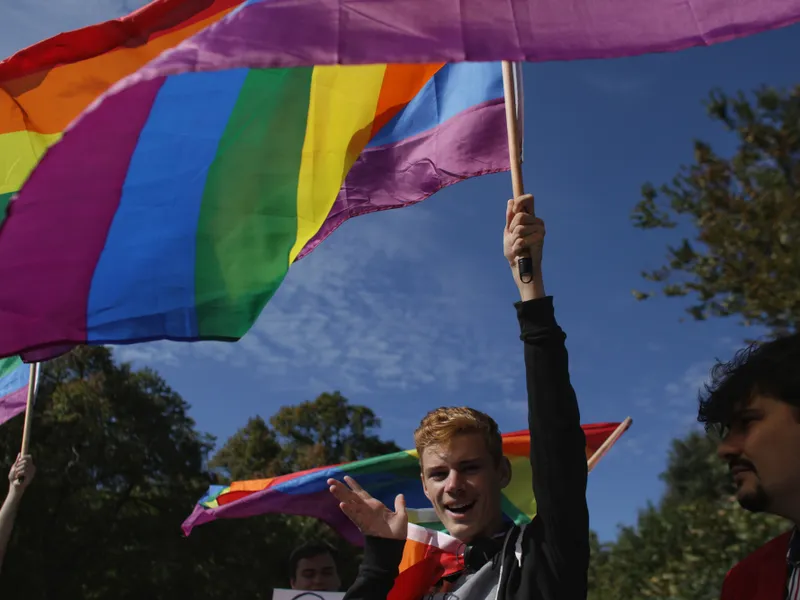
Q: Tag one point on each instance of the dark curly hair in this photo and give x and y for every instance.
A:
(769, 369)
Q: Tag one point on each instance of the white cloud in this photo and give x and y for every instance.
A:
(155, 353)
(682, 393)
(371, 309)
(630, 444)
(664, 409)
(509, 405)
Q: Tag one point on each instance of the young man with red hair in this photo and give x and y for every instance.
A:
(463, 472)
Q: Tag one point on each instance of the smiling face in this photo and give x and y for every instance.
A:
(464, 482)
(761, 449)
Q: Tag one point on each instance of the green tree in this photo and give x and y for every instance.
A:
(120, 466)
(326, 431)
(253, 452)
(744, 258)
(681, 548)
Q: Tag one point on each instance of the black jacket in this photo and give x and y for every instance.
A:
(555, 545)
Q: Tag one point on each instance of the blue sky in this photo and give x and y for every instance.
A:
(411, 309)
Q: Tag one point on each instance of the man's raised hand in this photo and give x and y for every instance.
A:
(371, 516)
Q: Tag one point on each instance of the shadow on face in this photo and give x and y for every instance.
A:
(465, 483)
(317, 573)
(761, 448)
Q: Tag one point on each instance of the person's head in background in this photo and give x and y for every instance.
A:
(753, 404)
(313, 567)
(463, 470)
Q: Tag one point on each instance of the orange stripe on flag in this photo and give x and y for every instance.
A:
(428, 556)
(407, 81)
(44, 92)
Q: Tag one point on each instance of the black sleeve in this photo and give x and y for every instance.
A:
(379, 568)
(558, 448)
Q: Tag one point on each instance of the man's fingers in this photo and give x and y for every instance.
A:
(509, 214)
(400, 504)
(357, 514)
(525, 219)
(341, 492)
(524, 204)
(523, 231)
(361, 492)
(528, 241)
(352, 512)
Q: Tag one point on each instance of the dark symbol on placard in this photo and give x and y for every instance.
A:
(308, 596)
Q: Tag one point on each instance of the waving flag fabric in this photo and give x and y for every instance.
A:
(173, 206)
(44, 87)
(14, 377)
(188, 205)
(427, 557)
(306, 493)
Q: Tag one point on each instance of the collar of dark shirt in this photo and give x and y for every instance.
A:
(793, 554)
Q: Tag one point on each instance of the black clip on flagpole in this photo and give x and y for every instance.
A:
(525, 267)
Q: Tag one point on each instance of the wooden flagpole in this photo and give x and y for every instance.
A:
(524, 264)
(26, 428)
(610, 440)
(514, 154)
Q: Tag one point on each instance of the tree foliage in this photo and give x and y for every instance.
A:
(120, 466)
(682, 548)
(744, 259)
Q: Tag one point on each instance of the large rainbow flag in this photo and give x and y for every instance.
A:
(14, 377)
(187, 205)
(43, 88)
(306, 493)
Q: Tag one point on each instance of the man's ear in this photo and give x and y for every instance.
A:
(505, 472)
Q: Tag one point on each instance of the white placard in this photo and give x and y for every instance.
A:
(304, 595)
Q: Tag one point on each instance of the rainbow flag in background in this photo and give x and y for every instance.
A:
(306, 493)
(14, 378)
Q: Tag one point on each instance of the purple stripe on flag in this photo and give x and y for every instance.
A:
(86, 174)
(47, 353)
(12, 404)
(289, 33)
(317, 504)
(396, 175)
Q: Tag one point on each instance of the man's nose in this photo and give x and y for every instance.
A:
(453, 483)
(728, 448)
